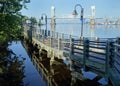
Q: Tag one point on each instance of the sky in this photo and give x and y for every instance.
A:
(64, 8)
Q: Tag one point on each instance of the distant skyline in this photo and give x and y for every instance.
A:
(103, 8)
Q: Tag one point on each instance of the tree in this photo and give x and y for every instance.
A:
(33, 20)
(11, 19)
(12, 6)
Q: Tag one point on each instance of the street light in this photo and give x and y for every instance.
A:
(42, 17)
(81, 16)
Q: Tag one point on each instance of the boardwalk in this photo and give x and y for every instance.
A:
(100, 56)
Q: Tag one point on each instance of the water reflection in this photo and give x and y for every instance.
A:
(32, 77)
(11, 68)
(92, 27)
(58, 73)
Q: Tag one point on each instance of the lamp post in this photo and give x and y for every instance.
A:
(81, 16)
(42, 17)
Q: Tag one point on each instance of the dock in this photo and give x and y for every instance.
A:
(99, 56)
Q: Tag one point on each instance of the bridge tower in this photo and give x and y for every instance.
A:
(53, 22)
(106, 21)
(92, 20)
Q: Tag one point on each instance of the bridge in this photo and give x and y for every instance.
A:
(99, 21)
(100, 56)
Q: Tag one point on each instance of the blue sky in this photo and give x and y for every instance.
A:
(103, 8)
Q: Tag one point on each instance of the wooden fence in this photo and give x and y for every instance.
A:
(101, 56)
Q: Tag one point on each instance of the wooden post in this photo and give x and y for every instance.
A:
(40, 31)
(43, 39)
(51, 50)
(118, 40)
(71, 46)
(109, 57)
(53, 35)
(51, 42)
(59, 44)
(112, 54)
(56, 35)
(85, 52)
(49, 33)
(97, 40)
(81, 39)
(62, 36)
(39, 36)
(30, 34)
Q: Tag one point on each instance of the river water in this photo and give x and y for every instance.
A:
(32, 77)
(100, 31)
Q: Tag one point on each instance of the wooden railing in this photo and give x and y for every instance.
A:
(99, 55)
(114, 70)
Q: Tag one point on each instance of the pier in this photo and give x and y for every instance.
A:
(100, 56)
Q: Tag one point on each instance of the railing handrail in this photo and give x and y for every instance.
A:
(102, 50)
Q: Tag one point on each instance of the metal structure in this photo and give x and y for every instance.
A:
(53, 19)
(92, 20)
(81, 16)
(93, 12)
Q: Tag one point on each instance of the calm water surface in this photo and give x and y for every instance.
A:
(101, 31)
(32, 78)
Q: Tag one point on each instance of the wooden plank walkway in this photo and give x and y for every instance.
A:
(99, 56)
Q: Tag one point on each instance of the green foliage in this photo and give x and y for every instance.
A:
(12, 6)
(33, 20)
(11, 27)
(11, 69)
(10, 19)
